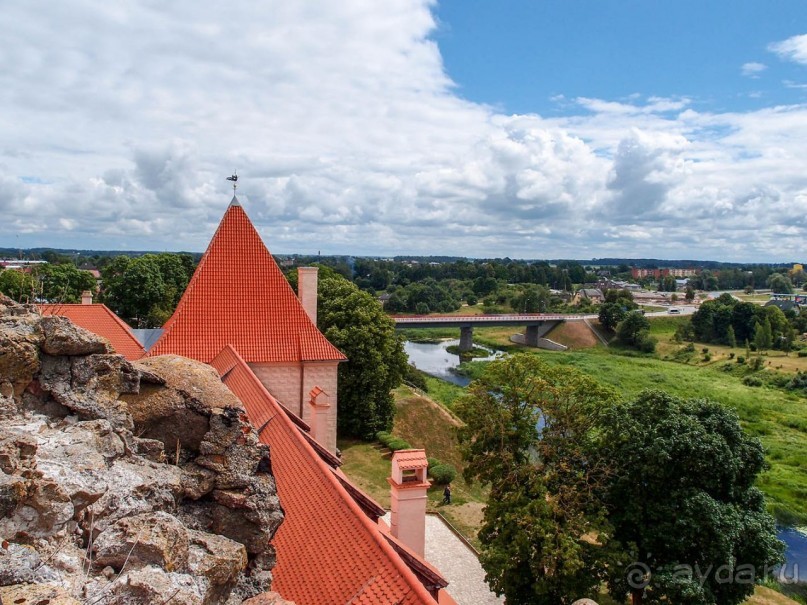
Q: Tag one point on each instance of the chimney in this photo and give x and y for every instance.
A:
(86, 297)
(307, 291)
(408, 486)
(320, 404)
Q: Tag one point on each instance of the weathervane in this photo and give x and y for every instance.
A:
(234, 179)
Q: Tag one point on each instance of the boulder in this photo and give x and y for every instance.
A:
(34, 507)
(216, 558)
(148, 539)
(19, 350)
(181, 509)
(61, 337)
(177, 411)
(154, 585)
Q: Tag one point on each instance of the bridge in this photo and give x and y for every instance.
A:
(537, 325)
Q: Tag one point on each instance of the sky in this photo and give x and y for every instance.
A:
(521, 128)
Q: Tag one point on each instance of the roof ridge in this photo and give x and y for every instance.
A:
(369, 527)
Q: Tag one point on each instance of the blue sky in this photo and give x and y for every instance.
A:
(542, 129)
(519, 55)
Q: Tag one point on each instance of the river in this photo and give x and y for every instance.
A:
(433, 359)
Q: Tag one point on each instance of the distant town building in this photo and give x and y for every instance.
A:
(640, 273)
(593, 295)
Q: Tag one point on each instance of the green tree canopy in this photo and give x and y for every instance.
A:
(17, 285)
(611, 313)
(63, 283)
(631, 329)
(682, 493)
(355, 323)
(530, 433)
(146, 289)
(780, 284)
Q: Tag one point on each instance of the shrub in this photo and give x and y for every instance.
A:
(443, 473)
(432, 463)
(646, 343)
(752, 381)
(384, 437)
(690, 348)
(741, 359)
(396, 443)
(707, 357)
(802, 353)
(416, 378)
(757, 363)
(731, 355)
(705, 350)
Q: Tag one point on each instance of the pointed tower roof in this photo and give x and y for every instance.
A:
(238, 296)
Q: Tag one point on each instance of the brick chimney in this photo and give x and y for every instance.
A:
(320, 404)
(307, 290)
(408, 486)
(86, 297)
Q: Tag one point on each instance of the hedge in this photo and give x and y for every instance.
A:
(443, 473)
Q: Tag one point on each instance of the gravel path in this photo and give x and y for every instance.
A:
(457, 563)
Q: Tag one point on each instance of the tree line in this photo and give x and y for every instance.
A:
(728, 321)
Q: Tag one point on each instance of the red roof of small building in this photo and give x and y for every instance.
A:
(101, 320)
(410, 459)
(328, 550)
(239, 296)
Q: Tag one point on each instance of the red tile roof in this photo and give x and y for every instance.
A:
(238, 296)
(411, 459)
(328, 550)
(99, 319)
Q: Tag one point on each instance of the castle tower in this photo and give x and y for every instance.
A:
(238, 296)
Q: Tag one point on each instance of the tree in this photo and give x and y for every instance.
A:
(133, 286)
(17, 285)
(690, 294)
(356, 324)
(731, 339)
(64, 283)
(530, 434)
(630, 329)
(763, 337)
(780, 284)
(611, 313)
(683, 493)
(145, 290)
(532, 299)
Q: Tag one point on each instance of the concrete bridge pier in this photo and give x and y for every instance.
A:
(466, 338)
(531, 335)
(536, 331)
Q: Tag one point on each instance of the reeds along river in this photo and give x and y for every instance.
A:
(435, 360)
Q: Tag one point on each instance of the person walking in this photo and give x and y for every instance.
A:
(447, 494)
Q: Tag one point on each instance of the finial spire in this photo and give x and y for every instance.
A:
(234, 179)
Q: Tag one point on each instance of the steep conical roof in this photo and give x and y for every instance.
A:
(238, 296)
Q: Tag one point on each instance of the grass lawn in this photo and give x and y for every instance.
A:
(424, 424)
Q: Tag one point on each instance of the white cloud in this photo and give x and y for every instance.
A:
(752, 70)
(793, 49)
(121, 122)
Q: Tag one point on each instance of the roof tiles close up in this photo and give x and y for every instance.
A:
(239, 296)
